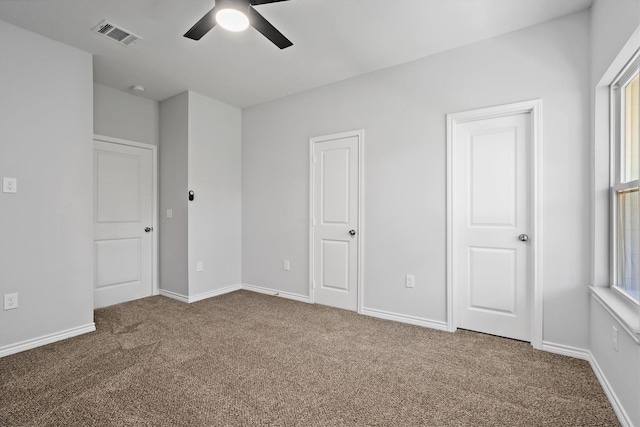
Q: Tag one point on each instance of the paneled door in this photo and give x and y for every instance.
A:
(335, 219)
(491, 225)
(123, 219)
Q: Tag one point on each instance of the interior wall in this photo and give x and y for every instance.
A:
(612, 24)
(200, 149)
(122, 115)
(620, 368)
(615, 35)
(214, 175)
(402, 111)
(46, 228)
(173, 174)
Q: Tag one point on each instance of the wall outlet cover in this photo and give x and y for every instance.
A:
(10, 301)
(9, 185)
(410, 281)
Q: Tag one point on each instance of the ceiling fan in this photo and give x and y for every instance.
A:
(236, 15)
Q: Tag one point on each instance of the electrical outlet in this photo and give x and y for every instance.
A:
(614, 337)
(410, 281)
(199, 266)
(169, 213)
(9, 185)
(10, 301)
(286, 266)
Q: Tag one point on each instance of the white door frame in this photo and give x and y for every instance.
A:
(156, 232)
(360, 135)
(534, 108)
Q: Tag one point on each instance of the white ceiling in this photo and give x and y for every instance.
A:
(332, 40)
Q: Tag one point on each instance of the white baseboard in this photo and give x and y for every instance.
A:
(622, 415)
(46, 339)
(566, 350)
(583, 354)
(214, 293)
(282, 294)
(174, 295)
(412, 320)
(199, 297)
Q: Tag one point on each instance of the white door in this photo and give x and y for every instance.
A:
(491, 223)
(335, 222)
(123, 219)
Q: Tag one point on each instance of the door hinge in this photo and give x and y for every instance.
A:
(313, 222)
(313, 284)
(314, 160)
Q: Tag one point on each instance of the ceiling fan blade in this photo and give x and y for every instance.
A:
(203, 26)
(266, 29)
(259, 2)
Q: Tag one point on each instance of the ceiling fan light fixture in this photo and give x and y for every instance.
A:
(232, 19)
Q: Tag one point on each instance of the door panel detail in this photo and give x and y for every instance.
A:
(335, 265)
(492, 279)
(117, 261)
(335, 186)
(492, 180)
(118, 187)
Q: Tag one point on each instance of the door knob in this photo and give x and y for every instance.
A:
(523, 237)
(148, 229)
(352, 232)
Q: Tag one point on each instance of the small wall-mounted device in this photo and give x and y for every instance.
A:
(191, 195)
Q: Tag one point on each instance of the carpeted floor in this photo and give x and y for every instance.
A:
(246, 359)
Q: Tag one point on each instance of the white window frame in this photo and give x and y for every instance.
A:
(617, 120)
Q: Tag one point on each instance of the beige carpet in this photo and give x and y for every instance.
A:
(245, 359)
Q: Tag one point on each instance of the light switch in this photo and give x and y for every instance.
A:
(9, 185)
(169, 213)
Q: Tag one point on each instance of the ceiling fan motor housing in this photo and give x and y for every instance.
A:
(241, 5)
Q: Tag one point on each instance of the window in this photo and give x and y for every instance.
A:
(625, 102)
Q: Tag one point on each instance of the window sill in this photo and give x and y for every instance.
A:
(625, 312)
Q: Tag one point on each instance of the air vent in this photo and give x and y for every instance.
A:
(115, 33)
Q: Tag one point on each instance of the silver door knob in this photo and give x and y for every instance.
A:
(352, 232)
(148, 229)
(523, 237)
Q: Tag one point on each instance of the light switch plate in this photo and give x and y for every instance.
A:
(9, 185)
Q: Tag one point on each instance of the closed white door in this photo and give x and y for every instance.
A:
(123, 234)
(491, 223)
(335, 223)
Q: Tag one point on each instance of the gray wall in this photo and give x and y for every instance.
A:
(214, 176)
(173, 171)
(200, 151)
(122, 115)
(46, 228)
(620, 368)
(613, 22)
(402, 111)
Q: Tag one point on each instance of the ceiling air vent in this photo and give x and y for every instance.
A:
(115, 33)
